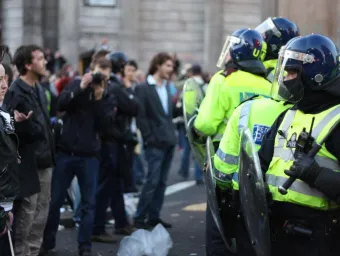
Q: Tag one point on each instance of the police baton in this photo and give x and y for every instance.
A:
(312, 153)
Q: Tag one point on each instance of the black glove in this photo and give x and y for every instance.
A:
(199, 139)
(304, 168)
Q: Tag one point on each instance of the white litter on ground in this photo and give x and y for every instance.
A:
(145, 243)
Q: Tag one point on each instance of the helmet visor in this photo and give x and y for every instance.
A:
(229, 42)
(268, 29)
(287, 84)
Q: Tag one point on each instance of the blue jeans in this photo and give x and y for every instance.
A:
(76, 202)
(181, 136)
(86, 170)
(110, 189)
(152, 195)
(185, 159)
(138, 169)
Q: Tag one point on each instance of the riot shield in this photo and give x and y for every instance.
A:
(210, 184)
(253, 196)
(192, 98)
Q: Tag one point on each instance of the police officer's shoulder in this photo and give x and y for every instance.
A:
(260, 99)
(218, 74)
(250, 99)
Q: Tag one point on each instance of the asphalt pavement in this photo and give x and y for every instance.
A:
(184, 207)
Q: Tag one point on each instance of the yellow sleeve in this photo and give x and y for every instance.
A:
(226, 157)
(211, 113)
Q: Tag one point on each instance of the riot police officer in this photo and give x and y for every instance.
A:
(258, 114)
(242, 77)
(276, 31)
(305, 216)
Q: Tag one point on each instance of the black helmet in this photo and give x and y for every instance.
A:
(118, 61)
(316, 60)
(277, 32)
(246, 48)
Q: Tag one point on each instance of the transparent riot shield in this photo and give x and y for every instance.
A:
(253, 196)
(210, 184)
(192, 98)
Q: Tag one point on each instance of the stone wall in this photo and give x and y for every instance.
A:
(32, 22)
(95, 23)
(175, 26)
(12, 23)
(193, 29)
(50, 23)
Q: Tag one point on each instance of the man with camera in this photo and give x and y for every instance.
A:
(88, 112)
(115, 163)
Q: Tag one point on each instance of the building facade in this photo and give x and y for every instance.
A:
(193, 29)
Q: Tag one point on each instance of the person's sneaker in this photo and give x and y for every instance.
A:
(104, 238)
(141, 224)
(85, 252)
(126, 231)
(154, 223)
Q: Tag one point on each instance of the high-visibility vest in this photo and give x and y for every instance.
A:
(270, 65)
(223, 96)
(300, 192)
(258, 115)
(49, 99)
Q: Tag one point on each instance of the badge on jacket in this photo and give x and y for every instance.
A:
(258, 133)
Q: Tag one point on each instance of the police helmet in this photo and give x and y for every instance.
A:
(314, 60)
(118, 61)
(245, 47)
(277, 31)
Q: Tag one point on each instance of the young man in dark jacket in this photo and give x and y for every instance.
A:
(36, 149)
(89, 112)
(114, 161)
(155, 123)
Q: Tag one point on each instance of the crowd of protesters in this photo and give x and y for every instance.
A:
(110, 131)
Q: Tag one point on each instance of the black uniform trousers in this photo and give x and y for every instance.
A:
(213, 240)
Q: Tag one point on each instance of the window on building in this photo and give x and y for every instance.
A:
(101, 2)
